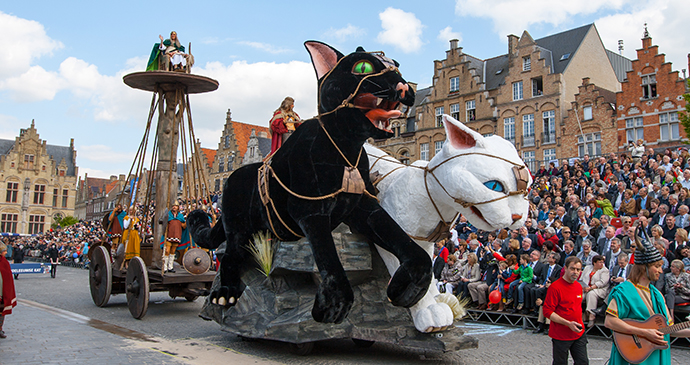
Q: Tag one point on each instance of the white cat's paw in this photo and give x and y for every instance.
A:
(434, 318)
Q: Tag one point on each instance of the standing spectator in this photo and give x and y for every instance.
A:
(18, 256)
(8, 298)
(442, 251)
(563, 306)
(677, 286)
(53, 255)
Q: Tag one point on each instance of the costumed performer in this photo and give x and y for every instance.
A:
(636, 299)
(172, 51)
(176, 237)
(8, 298)
(131, 236)
(116, 219)
(283, 123)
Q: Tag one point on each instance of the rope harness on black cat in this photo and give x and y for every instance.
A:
(520, 173)
(352, 180)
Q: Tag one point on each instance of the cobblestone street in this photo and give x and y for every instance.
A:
(57, 323)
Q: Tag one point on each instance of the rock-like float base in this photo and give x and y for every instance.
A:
(278, 307)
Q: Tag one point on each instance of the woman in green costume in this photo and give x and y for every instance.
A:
(636, 299)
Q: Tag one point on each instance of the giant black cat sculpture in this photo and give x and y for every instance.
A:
(318, 179)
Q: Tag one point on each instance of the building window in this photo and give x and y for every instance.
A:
(528, 157)
(36, 223)
(29, 162)
(405, 157)
(39, 193)
(537, 87)
(509, 129)
(8, 222)
(549, 127)
(470, 109)
(633, 129)
(526, 63)
(65, 195)
(649, 86)
(424, 152)
(549, 154)
(438, 145)
(528, 130)
(455, 111)
(517, 90)
(587, 111)
(227, 141)
(439, 116)
(454, 84)
(590, 145)
(55, 197)
(217, 185)
(251, 151)
(221, 164)
(12, 191)
(668, 126)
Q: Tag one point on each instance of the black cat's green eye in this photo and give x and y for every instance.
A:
(362, 68)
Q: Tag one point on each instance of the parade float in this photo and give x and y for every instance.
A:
(153, 178)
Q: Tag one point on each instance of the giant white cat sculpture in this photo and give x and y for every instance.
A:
(481, 177)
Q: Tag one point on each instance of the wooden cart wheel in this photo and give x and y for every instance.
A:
(302, 349)
(137, 287)
(362, 343)
(100, 276)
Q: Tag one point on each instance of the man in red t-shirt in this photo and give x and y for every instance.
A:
(563, 306)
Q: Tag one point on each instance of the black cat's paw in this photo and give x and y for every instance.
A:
(224, 296)
(333, 301)
(408, 285)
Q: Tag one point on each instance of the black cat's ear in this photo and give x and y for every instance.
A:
(323, 57)
(360, 49)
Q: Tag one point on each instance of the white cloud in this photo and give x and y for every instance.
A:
(35, 84)
(22, 42)
(264, 47)
(104, 154)
(514, 16)
(401, 29)
(9, 126)
(343, 34)
(446, 34)
(666, 25)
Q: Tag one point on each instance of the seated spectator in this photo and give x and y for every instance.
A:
(628, 205)
(583, 235)
(450, 277)
(605, 205)
(470, 274)
(611, 256)
(546, 250)
(594, 210)
(669, 229)
(568, 250)
(604, 244)
(513, 249)
(627, 222)
(517, 287)
(478, 289)
(587, 254)
(549, 234)
(620, 272)
(461, 253)
(595, 284)
(680, 241)
(677, 286)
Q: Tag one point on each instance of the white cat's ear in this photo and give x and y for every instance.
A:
(460, 136)
(323, 57)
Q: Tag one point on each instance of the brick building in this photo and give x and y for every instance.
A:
(522, 96)
(232, 149)
(649, 101)
(38, 182)
(589, 126)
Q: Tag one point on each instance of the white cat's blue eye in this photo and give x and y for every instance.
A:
(494, 185)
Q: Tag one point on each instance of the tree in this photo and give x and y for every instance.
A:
(64, 221)
(684, 117)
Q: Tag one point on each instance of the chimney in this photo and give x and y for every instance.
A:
(453, 44)
(122, 177)
(263, 134)
(512, 44)
(646, 39)
(71, 143)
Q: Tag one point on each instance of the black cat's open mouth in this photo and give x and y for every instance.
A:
(378, 111)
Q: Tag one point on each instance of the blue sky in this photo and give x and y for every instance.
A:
(63, 62)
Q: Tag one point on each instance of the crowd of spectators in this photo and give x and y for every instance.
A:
(587, 208)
